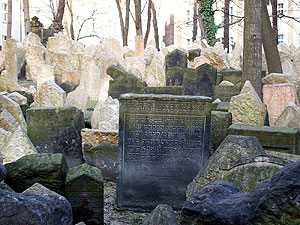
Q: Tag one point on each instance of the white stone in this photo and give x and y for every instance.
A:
(198, 61)
(7, 121)
(136, 65)
(106, 116)
(18, 98)
(32, 39)
(78, 98)
(128, 52)
(17, 146)
(226, 83)
(45, 72)
(34, 59)
(7, 84)
(149, 54)
(4, 135)
(59, 44)
(288, 68)
(235, 59)
(14, 109)
(247, 107)
(50, 94)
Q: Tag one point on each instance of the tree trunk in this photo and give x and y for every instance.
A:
(269, 42)
(226, 25)
(275, 19)
(9, 19)
(252, 60)
(156, 37)
(138, 17)
(148, 23)
(70, 8)
(202, 27)
(124, 28)
(26, 17)
(195, 18)
(57, 26)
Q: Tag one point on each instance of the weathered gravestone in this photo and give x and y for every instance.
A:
(174, 76)
(57, 130)
(84, 190)
(176, 58)
(200, 81)
(224, 93)
(163, 143)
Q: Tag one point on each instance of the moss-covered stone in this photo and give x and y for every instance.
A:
(220, 122)
(223, 107)
(169, 90)
(84, 190)
(28, 95)
(224, 93)
(68, 86)
(57, 130)
(47, 169)
(193, 53)
(104, 157)
(176, 58)
(5, 187)
(174, 76)
(281, 139)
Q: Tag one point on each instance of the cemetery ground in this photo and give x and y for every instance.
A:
(89, 135)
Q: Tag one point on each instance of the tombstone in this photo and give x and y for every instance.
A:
(277, 97)
(84, 190)
(169, 90)
(97, 137)
(57, 130)
(176, 58)
(220, 122)
(174, 76)
(290, 117)
(164, 142)
(224, 93)
(280, 139)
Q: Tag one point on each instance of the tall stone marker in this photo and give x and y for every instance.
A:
(163, 143)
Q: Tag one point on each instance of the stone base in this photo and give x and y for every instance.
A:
(97, 137)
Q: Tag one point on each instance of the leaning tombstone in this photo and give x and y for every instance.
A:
(84, 190)
(163, 144)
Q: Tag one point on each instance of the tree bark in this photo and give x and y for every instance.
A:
(138, 17)
(252, 60)
(270, 43)
(148, 23)
(195, 18)
(57, 25)
(275, 19)
(26, 17)
(226, 25)
(202, 27)
(124, 28)
(156, 37)
(70, 8)
(9, 19)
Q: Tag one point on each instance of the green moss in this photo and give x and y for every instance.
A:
(84, 169)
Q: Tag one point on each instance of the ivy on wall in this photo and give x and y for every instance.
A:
(207, 15)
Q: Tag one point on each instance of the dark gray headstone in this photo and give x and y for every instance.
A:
(206, 80)
(220, 122)
(168, 90)
(176, 58)
(124, 82)
(163, 143)
(68, 86)
(84, 190)
(57, 130)
(193, 53)
(162, 215)
(104, 157)
(224, 93)
(2, 172)
(189, 79)
(174, 76)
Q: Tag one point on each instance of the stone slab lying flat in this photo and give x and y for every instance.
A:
(281, 139)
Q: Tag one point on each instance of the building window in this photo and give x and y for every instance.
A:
(5, 12)
(280, 38)
(231, 15)
(188, 17)
(280, 9)
(3, 38)
(188, 42)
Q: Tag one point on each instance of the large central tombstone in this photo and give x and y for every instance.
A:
(163, 143)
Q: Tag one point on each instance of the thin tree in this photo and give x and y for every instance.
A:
(195, 19)
(270, 42)
(124, 27)
(156, 37)
(226, 25)
(57, 26)
(148, 23)
(9, 19)
(275, 19)
(26, 17)
(138, 17)
(70, 8)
